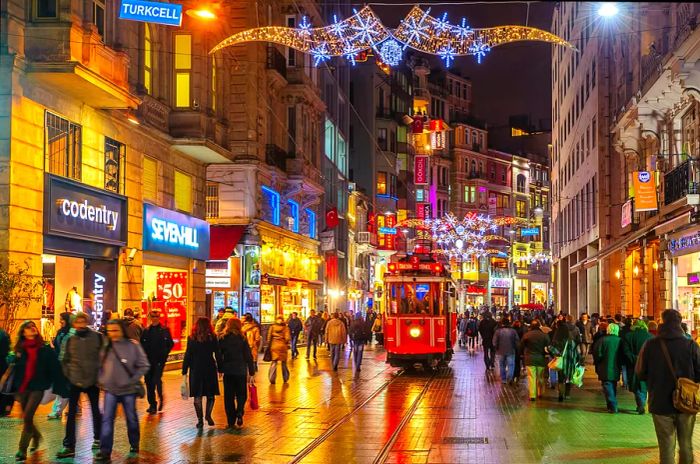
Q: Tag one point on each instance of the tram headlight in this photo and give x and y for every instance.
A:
(414, 332)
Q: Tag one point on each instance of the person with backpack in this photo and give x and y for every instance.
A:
(662, 360)
(360, 333)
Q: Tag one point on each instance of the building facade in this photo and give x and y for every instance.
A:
(103, 182)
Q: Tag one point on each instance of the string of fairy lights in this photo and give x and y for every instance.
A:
(364, 31)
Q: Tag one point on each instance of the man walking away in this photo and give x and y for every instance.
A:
(157, 343)
(607, 352)
(134, 329)
(360, 333)
(631, 345)
(313, 327)
(653, 367)
(533, 345)
(295, 329)
(336, 335)
(505, 341)
(472, 333)
(487, 328)
(80, 361)
(587, 330)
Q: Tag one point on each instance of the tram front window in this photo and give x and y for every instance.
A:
(410, 298)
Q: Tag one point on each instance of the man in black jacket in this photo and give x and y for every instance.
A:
(295, 328)
(487, 327)
(653, 367)
(587, 330)
(157, 342)
(313, 326)
(533, 346)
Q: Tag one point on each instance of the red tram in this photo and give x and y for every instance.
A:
(420, 324)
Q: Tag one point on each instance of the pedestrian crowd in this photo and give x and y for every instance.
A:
(649, 358)
(123, 361)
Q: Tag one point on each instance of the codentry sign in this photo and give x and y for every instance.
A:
(173, 233)
(75, 210)
(169, 14)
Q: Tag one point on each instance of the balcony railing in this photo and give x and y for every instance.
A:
(276, 156)
(276, 61)
(680, 182)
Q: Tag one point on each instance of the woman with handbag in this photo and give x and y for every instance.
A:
(201, 360)
(564, 345)
(123, 364)
(33, 369)
(236, 362)
(278, 338)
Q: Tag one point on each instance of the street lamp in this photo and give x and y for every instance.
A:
(201, 13)
(608, 9)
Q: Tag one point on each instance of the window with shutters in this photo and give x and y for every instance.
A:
(212, 200)
(150, 180)
(183, 192)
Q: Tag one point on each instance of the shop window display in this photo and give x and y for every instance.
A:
(166, 289)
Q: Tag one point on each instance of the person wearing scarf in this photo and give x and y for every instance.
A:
(36, 370)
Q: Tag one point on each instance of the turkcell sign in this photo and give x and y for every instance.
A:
(169, 14)
(173, 233)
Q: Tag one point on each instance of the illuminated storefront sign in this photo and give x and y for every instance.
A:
(387, 230)
(174, 233)
(499, 282)
(169, 14)
(73, 210)
(684, 243)
(420, 172)
(529, 232)
(251, 266)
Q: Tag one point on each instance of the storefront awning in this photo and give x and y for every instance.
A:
(593, 260)
(312, 284)
(222, 241)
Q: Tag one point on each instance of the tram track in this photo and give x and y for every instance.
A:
(389, 444)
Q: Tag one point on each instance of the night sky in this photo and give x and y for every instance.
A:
(512, 79)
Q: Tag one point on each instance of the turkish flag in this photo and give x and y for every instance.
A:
(417, 125)
(332, 218)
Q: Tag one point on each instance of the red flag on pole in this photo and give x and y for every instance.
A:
(332, 218)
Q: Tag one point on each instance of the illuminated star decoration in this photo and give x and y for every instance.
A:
(390, 52)
(418, 30)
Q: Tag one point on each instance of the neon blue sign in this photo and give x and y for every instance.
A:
(387, 230)
(529, 232)
(169, 14)
(173, 233)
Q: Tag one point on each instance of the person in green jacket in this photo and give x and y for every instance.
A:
(36, 369)
(631, 346)
(607, 354)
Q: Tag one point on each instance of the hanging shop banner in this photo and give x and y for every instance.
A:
(171, 289)
(169, 232)
(500, 282)
(420, 170)
(251, 266)
(99, 282)
(169, 14)
(77, 211)
(644, 191)
(493, 206)
(327, 238)
(626, 214)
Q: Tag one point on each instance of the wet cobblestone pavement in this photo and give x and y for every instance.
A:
(456, 415)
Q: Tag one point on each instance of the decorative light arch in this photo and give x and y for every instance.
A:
(418, 30)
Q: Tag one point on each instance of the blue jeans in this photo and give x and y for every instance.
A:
(335, 354)
(610, 392)
(507, 364)
(128, 403)
(640, 395)
(295, 340)
(357, 350)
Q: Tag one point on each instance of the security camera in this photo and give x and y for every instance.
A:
(132, 254)
(195, 104)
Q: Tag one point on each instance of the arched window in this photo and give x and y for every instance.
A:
(520, 183)
(147, 60)
(466, 136)
(473, 171)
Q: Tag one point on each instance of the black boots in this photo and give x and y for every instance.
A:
(210, 408)
(198, 410)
